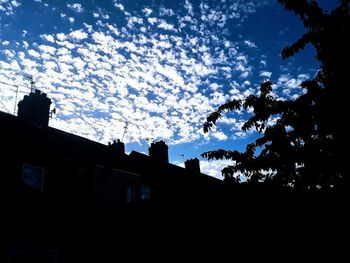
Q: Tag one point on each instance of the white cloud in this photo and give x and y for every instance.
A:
(152, 20)
(78, 35)
(89, 27)
(289, 86)
(188, 6)
(166, 11)
(213, 168)
(15, 3)
(147, 11)
(47, 50)
(286, 80)
(71, 19)
(76, 7)
(166, 26)
(33, 53)
(9, 6)
(241, 134)
(134, 20)
(242, 66)
(49, 38)
(245, 74)
(220, 135)
(120, 6)
(265, 74)
(250, 43)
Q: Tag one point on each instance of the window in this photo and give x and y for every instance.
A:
(131, 193)
(33, 176)
(145, 192)
(136, 192)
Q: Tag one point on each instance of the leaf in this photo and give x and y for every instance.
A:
(297, 46)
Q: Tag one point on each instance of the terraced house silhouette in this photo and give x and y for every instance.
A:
(47, 166)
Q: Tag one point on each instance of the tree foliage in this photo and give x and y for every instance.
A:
(303, 148)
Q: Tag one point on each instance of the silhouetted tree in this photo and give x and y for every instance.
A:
(304, 149)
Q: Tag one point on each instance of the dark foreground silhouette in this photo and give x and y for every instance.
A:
(252, 228)
(67, 199)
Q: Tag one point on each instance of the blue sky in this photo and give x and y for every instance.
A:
(163, 66)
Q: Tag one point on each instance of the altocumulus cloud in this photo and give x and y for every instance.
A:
(162, 69)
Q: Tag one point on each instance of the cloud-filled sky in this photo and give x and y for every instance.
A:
(160, 65)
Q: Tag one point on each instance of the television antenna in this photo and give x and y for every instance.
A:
(32, 82)
(17, 90)
(25, 76)
(127, 125)
(125, 130)
(52, 112)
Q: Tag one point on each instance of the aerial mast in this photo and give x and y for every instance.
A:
(32, 82)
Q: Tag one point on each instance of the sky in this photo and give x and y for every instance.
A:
(145, 71)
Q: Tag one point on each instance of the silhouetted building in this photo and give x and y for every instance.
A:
(44, 169)
(150, 205)
(47, 175)
(47, 166)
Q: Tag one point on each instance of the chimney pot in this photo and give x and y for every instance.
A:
(35, 108)
(117, 147)
(193, 166)
(159, 151)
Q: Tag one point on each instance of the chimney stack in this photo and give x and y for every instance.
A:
(35, 108)
(192, 166)
(159, 151)
(117, 147)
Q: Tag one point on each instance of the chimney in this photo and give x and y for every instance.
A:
(192, 166)
(159, 151)
(117, 147)
(35, 108)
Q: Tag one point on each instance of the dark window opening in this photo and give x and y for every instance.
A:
(137, 192)
(145, 192)
(33, 176)
(131, 193)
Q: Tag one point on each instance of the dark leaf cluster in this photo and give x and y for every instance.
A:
(302, 150)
